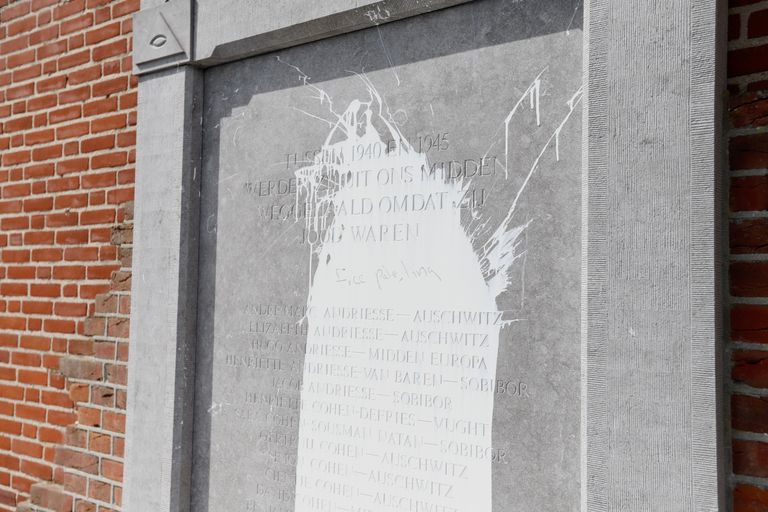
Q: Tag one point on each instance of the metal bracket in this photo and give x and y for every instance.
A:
(162, 36)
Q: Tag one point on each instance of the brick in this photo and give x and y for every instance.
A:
(748, 498)
(71, 59)
(99, 442)
(17, 190)
(61, 219)
(76, 309)
(10, 206)
(45, 290)
(78, 94)
(78, 460)
(14, 223)
(749, 279)
(39, 204)
(125, 7)
(78, 23)
(108, 50)
(47, 254)
(115, 421)
(75, 483)
(100, 491)
(70, 8)
(72, 237)
(102, 14)
(16, 158)
(745, 61)
(106, 179)
(35, 342)
(126, 139)
(111, 86)
(757, 25)
(44, 34)
(27, 448)
(47, 152)
(97, 143)
(749, 236)
(102, 33)
(94, 327)
(109, 123)
(121, 281)
(59, 326)
(36, 469)
(116, 159)
(128, 101)
(27, 73)
(749, 413)
(70, 166)
(41, 102)
(51, 84)
(61, 184)
(39, 137)
(13, 289)
(51, 49)
(81, 368)
(100, 106)
(65, 114)
(71, 200)
(21, 26)
(88, 416)
(84, 75)
(120, 196)
(30, 412)
(21, 272)
(15, 256)
(51, 497)
(19, 59)
(50, 435)
(118, 327)
(750, 458)
(18, 124)
(72, 130)
(750, 367)
(97, 217)
(14, 11)
(15, 44)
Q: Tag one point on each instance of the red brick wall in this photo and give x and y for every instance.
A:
(747, 134)
(67, 116)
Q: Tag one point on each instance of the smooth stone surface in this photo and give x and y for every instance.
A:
(259, 26)
(449, 83)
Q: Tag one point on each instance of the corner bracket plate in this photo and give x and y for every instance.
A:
(162, 36)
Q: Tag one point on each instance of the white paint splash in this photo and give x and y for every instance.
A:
(398, 384)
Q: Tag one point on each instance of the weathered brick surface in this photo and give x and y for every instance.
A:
(67, 136)
(748, 248)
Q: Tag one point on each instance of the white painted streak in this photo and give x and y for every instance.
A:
(398, 384)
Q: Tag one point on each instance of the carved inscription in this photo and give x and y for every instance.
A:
(374, 388)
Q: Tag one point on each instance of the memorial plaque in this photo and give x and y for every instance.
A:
(390, 269)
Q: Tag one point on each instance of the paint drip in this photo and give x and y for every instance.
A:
(403, 328)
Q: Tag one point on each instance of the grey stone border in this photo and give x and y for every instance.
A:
(164, 295)
(654, 283)
(163, 326)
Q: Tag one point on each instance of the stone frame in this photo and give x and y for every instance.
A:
(677, 299)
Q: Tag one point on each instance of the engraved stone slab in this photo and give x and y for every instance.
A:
(390, 273)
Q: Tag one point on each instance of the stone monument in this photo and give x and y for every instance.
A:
(368, 263)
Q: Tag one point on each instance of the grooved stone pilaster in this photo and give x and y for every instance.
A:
(650, 314)
(164, 303)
